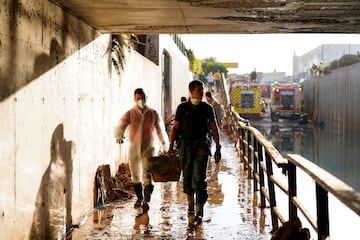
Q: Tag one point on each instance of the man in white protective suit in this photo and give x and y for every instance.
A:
(145, 129)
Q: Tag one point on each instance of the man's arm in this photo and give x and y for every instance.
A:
(121, 126)
(215, 134)
(174, 133)
(161, 133)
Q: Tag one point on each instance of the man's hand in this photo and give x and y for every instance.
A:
(164, 147)
(171, 149)
(120, 141)
(118, 135)
(217, 154)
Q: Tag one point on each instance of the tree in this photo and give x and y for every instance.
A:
(195, 64)
(211, 65)
(253, 75)
(348, 59)
(191, 57)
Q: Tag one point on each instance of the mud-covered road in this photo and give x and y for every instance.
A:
(230, 213)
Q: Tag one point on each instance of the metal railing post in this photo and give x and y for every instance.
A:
(243, 145)
(246, 153)
(322, 203)
(271, 187)
(250, 153)
(261, 176)
(255, 164)
(292, 190)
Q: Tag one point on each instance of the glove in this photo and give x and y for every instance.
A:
(172, 151)
(217, 154)
(120, 141)
(164, 147)
(118, 135)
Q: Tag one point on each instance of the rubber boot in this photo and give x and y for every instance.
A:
(139, 194)
(199, 212)
(148, 189)
(191, 203)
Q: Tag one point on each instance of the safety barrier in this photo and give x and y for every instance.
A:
(259, 156)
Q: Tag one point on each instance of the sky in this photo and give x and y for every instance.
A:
(265, 52)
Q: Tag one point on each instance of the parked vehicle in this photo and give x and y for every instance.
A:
(265, 90)
(286, 101)
(247, 100)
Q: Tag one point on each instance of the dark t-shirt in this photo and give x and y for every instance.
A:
(194, 120)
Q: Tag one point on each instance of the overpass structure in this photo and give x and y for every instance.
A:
(218, 16)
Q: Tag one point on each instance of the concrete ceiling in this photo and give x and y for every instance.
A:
(216, 16)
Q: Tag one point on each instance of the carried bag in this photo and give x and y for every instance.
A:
(165, 167)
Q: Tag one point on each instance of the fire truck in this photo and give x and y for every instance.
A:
(287, 140)
(286, 101)
(247, 99)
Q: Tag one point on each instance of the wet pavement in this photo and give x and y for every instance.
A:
(231, 211)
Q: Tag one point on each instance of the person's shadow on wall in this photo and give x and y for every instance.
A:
(53, 201)
(43, 62)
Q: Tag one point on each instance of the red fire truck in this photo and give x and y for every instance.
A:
(286, 101)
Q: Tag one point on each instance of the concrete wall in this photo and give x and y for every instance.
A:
(338, 99)
(180, 75)
(59, 102)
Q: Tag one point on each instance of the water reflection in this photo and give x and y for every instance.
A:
(332, 149)
(141, 225)
(103, 218)
(228, 214)
(216, 196)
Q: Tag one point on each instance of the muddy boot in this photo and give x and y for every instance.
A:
(191, 203)
(199, 213)
(139, 194)
(148, 191)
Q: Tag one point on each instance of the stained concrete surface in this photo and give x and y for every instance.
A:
(218, 16)
(231, 211)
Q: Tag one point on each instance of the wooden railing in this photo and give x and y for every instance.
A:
(259, 156)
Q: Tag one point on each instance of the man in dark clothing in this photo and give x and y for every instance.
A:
(193, 121)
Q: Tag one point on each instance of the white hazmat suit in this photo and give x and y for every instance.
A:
(145, 128)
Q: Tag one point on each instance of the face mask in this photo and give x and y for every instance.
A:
(195, 101)
(141, 103)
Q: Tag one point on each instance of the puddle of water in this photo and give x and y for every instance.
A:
(228, 214)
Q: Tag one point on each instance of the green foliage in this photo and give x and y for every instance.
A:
(345, 60)
(191, 57)
(348, 59)
(195, 64)
(253, 75)
(211, 65)
(206, 65)
(118, 54)
(334, 64)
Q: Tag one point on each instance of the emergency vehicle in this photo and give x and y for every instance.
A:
(287, 140)
(247, 99)
(286, 101)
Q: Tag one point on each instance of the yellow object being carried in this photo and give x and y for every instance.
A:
(165, 167)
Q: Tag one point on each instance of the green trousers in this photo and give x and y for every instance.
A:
(194, 158)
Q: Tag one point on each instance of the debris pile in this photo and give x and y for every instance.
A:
(123, 183)
(108, 188)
